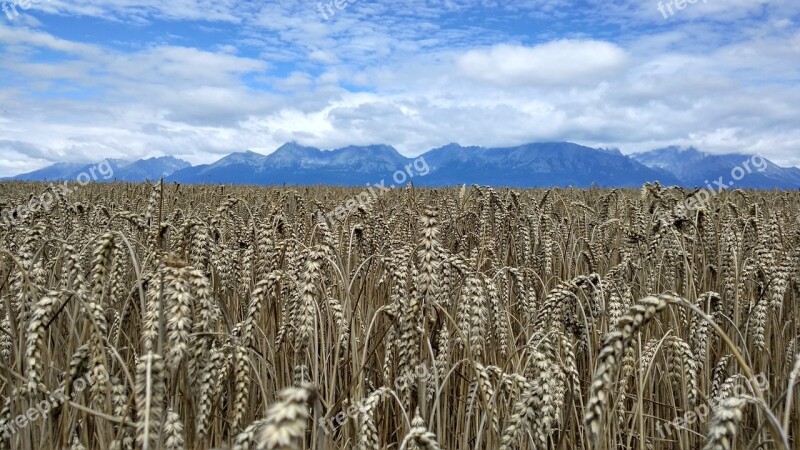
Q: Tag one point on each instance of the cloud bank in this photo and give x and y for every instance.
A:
(200, 79)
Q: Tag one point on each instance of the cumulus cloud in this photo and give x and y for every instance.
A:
(200, 79)
(562, 62)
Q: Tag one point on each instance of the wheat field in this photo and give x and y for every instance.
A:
(173, 317)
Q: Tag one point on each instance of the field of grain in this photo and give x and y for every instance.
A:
(172, 317)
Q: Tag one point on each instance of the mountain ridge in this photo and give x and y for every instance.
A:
(695, 168)
(543, 164)
(107, 170)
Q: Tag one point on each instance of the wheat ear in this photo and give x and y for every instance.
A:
(614, 345)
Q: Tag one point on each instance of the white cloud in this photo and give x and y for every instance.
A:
(563, 62)
(402, 74)
(143, 10)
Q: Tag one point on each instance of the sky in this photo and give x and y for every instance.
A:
(84, 80)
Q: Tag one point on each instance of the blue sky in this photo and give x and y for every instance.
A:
(198, 79)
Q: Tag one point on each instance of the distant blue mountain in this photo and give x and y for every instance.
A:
(298, 165)
(115, 170)
(532, 165)
(547, 164)
(150, 169)
(694, 168)
(57, 171)
(99, 171)
(537, 165)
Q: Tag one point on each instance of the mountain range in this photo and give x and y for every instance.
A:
(695, 168)
(548, 164)
(115, 170)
